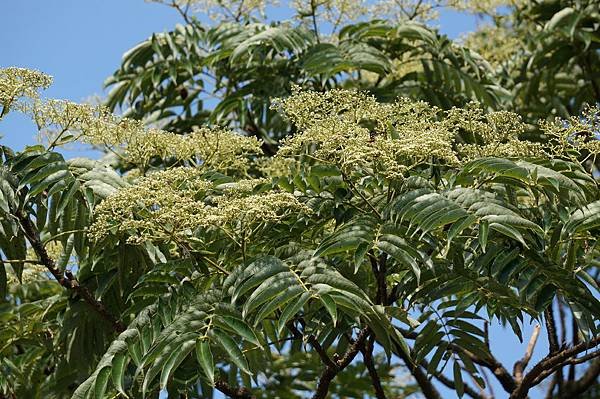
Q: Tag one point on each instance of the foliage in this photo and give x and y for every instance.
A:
(397, 230)
(546, 54)
(227, 75)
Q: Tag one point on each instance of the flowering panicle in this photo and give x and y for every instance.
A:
(575, 134)
(162, 205)
(173, 203)
(248, 211)
(222, 9)
(65, 121)
(276, 166)
(494, 134)
(20, 82)
(354, 131)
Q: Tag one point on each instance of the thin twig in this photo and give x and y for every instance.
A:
(521, 365)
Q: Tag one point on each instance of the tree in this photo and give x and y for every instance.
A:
(546, 54)
(380, 234)
(226, 74)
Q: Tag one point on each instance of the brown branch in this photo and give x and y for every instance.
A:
(379, 271)
(553, 343)
(544, 367)
(367, 353)
(551, 330)
(575, 328)
(329, 373)
(66, 279)
(233, 392)
(322, 353)
(573, 361)
(450, 383)
(502, 375)
(427, 388)
(182, 12)
(575, 388)
(521, 365)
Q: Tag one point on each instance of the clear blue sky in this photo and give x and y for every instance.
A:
(80, 43)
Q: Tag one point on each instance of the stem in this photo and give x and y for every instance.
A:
(521, 365)
(330, 371)
(313, 9)
(66, 279)
(367, 353)
(233, 392)
(547, 366)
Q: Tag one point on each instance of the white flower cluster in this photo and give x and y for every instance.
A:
(170, 205)
(16, 83)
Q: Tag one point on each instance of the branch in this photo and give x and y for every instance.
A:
(553, 345)
(491, 363)
(182, 12)
(573, 361)
(450, 384)
(367, 353)
(427, 388)
(330, 371)
(233, 392)
(521, 365)
(322, 353)
(575, 388)
(66, 279)
(543, 368)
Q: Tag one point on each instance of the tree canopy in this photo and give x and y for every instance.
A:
(333, 206)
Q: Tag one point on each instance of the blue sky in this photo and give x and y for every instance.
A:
(80, 43)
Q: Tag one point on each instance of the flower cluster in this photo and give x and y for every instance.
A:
(246, 212)
(495, 44)
(20, 82)
(575, 134)
(241, 187)
(352, 130)
(161, 205)
(493, 134)
(63, 121)
(276, 166)
(171, 204)
(222, 10)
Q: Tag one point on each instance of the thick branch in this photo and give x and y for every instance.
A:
(551, 330)
(331, 371)
(66, 279)
(322, 353)
(575, 388)
(491, 363)
(427, 388)
(544, 368)
(367, 353)
(572, 361)
(233, 392)
(521, 365)
(553, 344)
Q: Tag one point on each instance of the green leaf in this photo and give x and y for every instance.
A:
(458, 382)
(232, 350)
(101, 382)
(484, 229)
(175, 360)
(239, 327)
(119, 364)
(329, 304)
(290, 310)
(205, 359)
